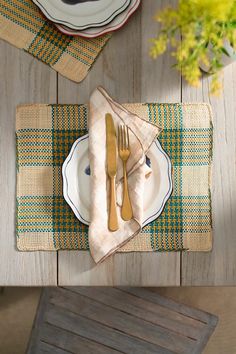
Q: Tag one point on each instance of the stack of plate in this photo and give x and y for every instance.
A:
(88, 18)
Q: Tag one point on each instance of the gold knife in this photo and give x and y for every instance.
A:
(111, 146)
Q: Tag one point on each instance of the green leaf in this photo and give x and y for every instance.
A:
(224, 51)
(232, 24)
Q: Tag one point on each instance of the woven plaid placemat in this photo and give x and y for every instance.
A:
(45, 134)
(23, 25)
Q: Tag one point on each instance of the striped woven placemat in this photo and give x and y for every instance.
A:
(23, 25)
(45, 134)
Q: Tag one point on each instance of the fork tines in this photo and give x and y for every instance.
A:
(123, 137)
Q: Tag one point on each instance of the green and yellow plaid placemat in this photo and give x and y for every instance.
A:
(23, 25)
(45, 134)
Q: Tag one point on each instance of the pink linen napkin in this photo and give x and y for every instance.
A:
(103, 242)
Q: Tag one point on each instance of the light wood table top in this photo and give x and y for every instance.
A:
(129, 75)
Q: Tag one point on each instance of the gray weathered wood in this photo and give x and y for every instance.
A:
(45, 348)
(153, 312)
(71, 342)
(134, 269)
(126, 71)
(219, 266)
(124, 322)
(97, 332)
(154, 298)
(113, 321)
(23, 80)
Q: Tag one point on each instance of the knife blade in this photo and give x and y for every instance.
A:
(111, 153)
(111, 144)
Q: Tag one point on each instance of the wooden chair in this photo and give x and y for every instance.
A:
(98, 320)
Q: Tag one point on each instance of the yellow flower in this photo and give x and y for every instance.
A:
(204, 60)
(216, 40)
(159, 46)
(202, 27)
(217, 9)
(192, 74)
(215, 86)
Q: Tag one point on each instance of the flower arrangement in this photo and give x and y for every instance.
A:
(197, 31)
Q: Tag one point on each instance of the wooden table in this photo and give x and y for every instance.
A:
(126, 71)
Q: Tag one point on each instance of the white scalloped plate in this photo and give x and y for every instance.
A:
(82, 15)
(76, 181)
(92, 32)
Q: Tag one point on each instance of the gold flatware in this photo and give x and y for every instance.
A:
(124, 153)
(111, 147)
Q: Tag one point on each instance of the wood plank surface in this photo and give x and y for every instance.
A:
(125, 322)
(71, 342)
(219, 266)
(129, 75)
(45, 348)
(152, 309)
(23, 80)
(125, 70)
(78, 320)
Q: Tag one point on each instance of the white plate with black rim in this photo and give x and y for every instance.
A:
(79, 15)
(76, 181)
(92, 32)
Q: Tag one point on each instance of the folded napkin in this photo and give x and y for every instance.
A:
(103, 242)
(23, 25)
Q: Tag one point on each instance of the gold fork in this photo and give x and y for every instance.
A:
(124, 153)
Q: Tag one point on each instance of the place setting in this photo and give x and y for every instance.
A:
(108, 172)
(105, 177)
(76, 178)
(67, 35)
